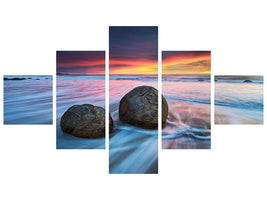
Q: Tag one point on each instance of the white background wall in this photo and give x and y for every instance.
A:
(32, 168)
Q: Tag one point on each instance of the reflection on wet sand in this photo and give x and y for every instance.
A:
(185, 129)
(188, 124)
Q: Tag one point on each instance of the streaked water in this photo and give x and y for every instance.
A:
(131, 149)
(238, 102)
(28, 101)
(188, 123)
(77, 90)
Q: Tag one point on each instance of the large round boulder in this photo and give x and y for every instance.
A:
(139, 107)
(86, 121)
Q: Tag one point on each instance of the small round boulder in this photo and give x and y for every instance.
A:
(139, 107)
(85, 121)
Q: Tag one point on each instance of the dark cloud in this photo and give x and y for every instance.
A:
(66, 57)
(80, 62)
(133, 43)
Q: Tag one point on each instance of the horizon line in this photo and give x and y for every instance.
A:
(126, 74)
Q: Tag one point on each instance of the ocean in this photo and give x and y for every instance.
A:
(238, 102)
(188, 124)
(28, 101)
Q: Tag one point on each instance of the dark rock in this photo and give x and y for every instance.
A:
(86, 121)
(247, 81)
(200, 79)
(29, 78)
(139, 107)
(203, 134)
(37, 79)
(16, 79)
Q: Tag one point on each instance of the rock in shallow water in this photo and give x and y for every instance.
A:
(139, 107)
(86, 121)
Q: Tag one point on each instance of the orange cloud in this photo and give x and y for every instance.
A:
(186, 62)
(140, 66)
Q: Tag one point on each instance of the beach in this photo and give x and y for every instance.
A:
(238, 100)
(188, 123)
(28, 100)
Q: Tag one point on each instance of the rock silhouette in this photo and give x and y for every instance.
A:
(15, 79)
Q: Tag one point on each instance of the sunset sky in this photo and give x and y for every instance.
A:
(81, 62)
(186, 62)
(133, 50)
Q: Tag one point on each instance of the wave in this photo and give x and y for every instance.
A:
(190, 100)
(186, 78)
(143, 78)
(240, 95)
(28, 101)
(71, 76)
(238, 104)
(238, 79)
(29, 77)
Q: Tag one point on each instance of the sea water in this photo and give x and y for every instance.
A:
(238, 102)
(28, 101)
(188, 122)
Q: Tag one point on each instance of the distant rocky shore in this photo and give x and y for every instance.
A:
(15, 79)
(19, 79)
